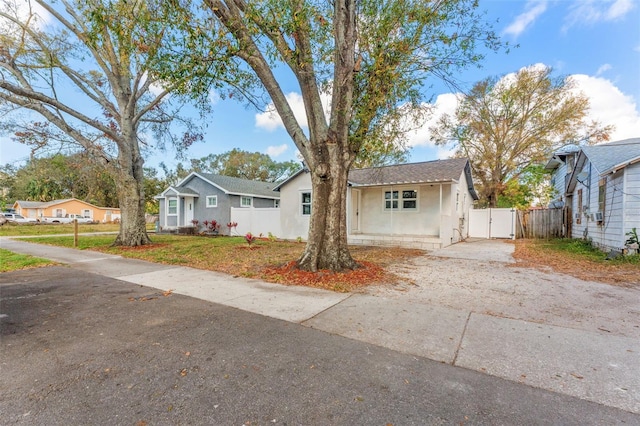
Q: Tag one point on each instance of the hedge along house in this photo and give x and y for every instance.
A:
(206, 197)
(423, 205)
(59, 208)
(603, 193)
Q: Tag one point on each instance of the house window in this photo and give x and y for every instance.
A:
(59, 213)
(86, 213)
(579, 215)
(172, 208)
(212, 201)
(570, 163)
(391, 200)
(306, 203)
(602, 194)
(245, 201)
(409, 200)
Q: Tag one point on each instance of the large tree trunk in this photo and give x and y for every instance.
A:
(327, 241)
(130, 178)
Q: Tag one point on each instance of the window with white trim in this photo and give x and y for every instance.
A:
(410, 200)
(212, 201)
(245, 201)
(172, 206)
(406, 199)
(87, 213)
(306, 203)
(391, 200)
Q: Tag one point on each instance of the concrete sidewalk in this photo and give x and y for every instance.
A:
(596, 367)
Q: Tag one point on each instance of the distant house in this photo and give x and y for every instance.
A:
(253, 205)
(424, 205)
(59, 208)
(600, 191)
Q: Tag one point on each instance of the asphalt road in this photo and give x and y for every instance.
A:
(84, 349)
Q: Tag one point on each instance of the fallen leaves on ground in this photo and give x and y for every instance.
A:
(529, 254)
(366, 274)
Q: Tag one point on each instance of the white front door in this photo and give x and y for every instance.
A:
(188, 211)
(355, 210)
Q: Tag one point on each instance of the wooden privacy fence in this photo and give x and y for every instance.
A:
(540, 223)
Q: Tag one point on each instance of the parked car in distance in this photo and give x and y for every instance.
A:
(68, 218)
(16, 218)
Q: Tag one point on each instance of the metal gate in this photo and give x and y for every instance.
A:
(492, 223)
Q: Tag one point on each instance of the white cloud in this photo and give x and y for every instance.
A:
(618, 8)
(610, 106)
(603, 68)
(275, 151)
(445, 104)
(592, 11)
(533, 9)
(270, 119)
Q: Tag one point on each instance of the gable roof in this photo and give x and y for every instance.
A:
(424, 172)
(238, 186)
(227, 184)
(436, 171)
(613, 156)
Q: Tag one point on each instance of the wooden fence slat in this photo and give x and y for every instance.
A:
(540, 223)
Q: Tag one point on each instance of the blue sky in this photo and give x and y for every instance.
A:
(595, 41)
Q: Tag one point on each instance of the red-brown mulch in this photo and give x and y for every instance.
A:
(366, 274)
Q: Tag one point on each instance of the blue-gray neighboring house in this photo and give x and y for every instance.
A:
(599, 189)
(207, 197)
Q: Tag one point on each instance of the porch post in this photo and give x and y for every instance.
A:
(440, 213)
(178, 211)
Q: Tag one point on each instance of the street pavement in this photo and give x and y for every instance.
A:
(594, 378)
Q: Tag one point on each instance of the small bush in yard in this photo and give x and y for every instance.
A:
(249, 238)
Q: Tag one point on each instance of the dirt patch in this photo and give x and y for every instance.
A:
(530, 291)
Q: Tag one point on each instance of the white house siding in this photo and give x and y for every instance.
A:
(293, 223)
(631, 215)
(374, 219)
(609, 234)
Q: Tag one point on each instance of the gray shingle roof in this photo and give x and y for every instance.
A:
(182, 190)
(240, 186)
(605, 157)
(428, 171)
(40, 204)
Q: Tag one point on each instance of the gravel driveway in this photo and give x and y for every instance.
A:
(483, 277)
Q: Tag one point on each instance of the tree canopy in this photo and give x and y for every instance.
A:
(372, 60)
(504, 125)
(82, 67)
(246, 165)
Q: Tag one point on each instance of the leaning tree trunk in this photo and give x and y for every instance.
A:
(130, 179)
(327, 241)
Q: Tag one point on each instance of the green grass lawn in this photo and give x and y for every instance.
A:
(13, 230)
(10, 261)
(584, 251)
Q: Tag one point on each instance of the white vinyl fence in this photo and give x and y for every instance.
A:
(492, 223)
(256, 220)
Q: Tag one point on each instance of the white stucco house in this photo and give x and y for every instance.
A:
(599, 188)
(423, 205)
